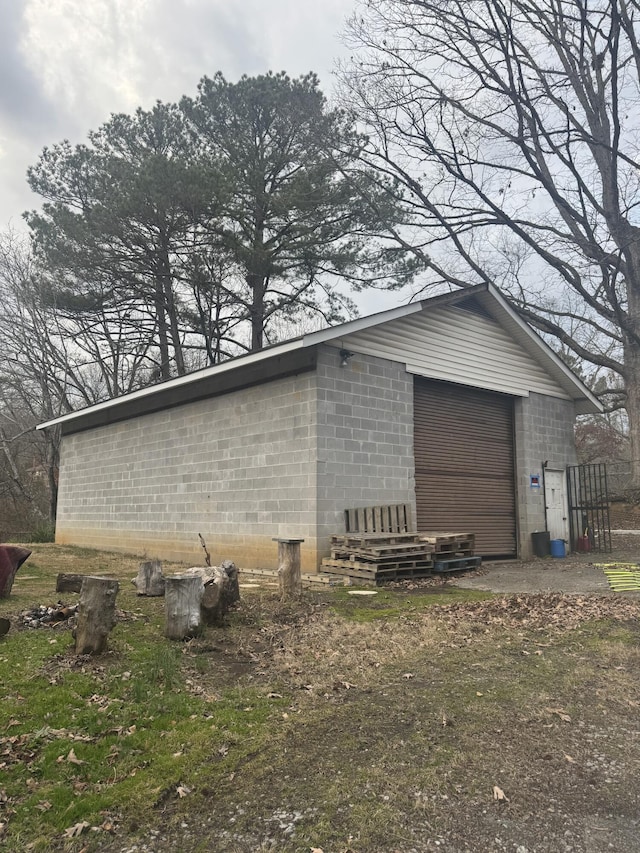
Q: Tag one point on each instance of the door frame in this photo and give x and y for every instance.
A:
(562, 472)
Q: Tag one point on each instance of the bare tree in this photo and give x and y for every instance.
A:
(52, 363)
(513, 127)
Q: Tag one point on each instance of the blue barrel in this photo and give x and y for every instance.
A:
(557, 548)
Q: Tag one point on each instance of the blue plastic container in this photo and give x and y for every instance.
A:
(557, 548)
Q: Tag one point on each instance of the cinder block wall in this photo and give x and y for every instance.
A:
(240, 469)
(544, 432)
(364, 435)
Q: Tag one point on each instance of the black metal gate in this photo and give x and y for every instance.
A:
(590, 528)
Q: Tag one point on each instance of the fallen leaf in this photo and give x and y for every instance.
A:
(274, 695)
(408, 675)
(499, 795)
(569, 758)
(76, 830)
(316, 850)
(72, 759)
(43, 806)
(343, 685)
(182, 791)
(560, 712)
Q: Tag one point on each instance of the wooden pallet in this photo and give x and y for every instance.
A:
(392, 518)
(450, 555)
(457, 564)
(448, 539)
(375, 540)
(366, 572)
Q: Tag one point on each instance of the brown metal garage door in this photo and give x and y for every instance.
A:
(464, 464)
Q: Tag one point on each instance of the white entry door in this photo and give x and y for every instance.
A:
(555, 491)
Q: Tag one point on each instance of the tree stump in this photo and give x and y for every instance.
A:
(96, 614)
(232, 589)
(214, 596)
(289, 579)
(182, 597)
(11, 558)
(69, 583)
(150, 580)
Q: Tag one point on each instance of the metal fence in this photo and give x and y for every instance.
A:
(589, 522)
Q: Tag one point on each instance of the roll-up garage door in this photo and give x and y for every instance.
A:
(464, 464)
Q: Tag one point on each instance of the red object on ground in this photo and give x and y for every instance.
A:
(11, 558)
(583, 544)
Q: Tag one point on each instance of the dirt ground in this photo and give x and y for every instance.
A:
(574, 574)
(509, 724)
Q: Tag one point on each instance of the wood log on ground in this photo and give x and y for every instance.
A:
(182, 597)
(69, 583)
(232, 589)
(4, 626)
(213, 605)
(150, 580)
(289, 578)
(96, 614)
(11, 558)
(221, 590)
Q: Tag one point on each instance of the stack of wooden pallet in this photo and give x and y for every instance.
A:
(379, 557)
(379, 546)
(451, 551)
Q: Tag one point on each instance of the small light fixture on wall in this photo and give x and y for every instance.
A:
(345, 355)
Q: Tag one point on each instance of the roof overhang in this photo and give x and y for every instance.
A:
(300, 354)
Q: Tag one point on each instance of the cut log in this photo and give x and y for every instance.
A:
(214, 596)
(69, 583)
(96, 614)
(150, 580)
(289, 578)
(11, 558)
(182, 597)
(232, 589)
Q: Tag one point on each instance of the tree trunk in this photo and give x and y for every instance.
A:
(232, 589)
(632, 405)
(182, 597)
(289, 578)
(256, 283)
(149, 580)
(69, 583)
(11, 558)
(213, 606)
(96, 614)
(170, 303)
(53, 464)
(163, 337)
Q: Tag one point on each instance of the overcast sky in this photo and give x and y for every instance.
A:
(66, 65)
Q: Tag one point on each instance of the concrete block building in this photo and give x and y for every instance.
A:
(452, 405)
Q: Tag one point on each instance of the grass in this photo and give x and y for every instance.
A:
(393, 603)
(341, 722)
